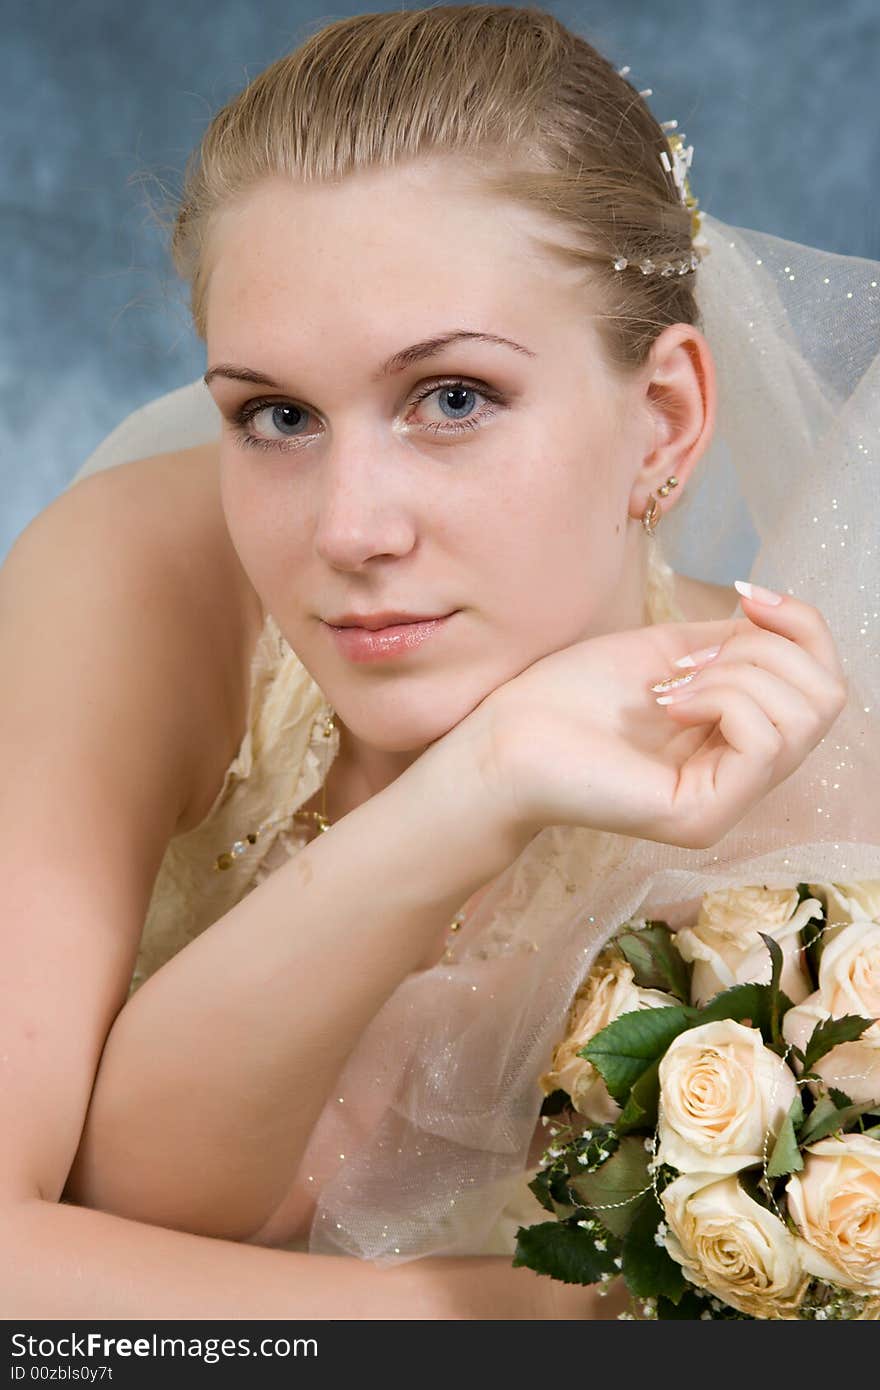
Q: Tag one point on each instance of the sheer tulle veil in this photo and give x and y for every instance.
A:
(441, 1095)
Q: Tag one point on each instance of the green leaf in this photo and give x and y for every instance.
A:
(785, 1156)
(698, 1305)
(610, 1191)
(564, 1210)
(776, 959)
(648, 1268)
(840, 1098)
(750, 1004)
(831, 1031)
(756, 1186)
(640, 1111)
(776, 964)
(872, 1133)
(564, 1252)
(622, 1050)
(540, 1186)
(813, 939)
(655, 960)
(743, 1003)
(688, 1306)
(550, 1184)
(827, 1118)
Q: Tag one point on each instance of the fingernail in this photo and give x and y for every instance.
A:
(674, 698)
(672, 682)
(697, 658)
(754, 591)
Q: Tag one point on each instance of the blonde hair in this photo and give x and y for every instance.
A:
(530, 108)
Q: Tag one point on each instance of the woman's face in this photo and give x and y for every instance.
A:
(501, 495)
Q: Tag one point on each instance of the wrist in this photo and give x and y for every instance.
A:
(478, 758)
(458, 790)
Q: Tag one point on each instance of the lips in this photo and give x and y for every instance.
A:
(389, 643)
(373, 622)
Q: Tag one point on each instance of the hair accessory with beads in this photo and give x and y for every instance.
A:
(677, 162)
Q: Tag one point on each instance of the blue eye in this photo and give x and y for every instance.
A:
(277, 417)
(288, 415)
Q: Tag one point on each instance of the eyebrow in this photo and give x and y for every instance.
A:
(398, 362)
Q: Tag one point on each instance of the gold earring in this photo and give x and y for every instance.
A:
(651, 514)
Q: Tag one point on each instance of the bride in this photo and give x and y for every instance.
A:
(405, 588)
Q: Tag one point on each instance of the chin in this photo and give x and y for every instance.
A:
(395, 739)
(403, 726)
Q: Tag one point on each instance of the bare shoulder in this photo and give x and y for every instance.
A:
(701, 601)
(169, 504)
(123, 623)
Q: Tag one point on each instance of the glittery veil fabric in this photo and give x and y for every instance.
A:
(441, 1095)
(791, 478)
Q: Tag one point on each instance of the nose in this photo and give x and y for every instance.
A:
(363, 509)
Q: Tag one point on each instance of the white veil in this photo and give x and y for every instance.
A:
(441, 1093)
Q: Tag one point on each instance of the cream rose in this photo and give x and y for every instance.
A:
(733, 1247)
(849, 983)
(835, 1204)
(848, 902)
(725, 947)
(723, 1097)
(608, 991)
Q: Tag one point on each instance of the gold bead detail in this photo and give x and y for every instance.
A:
(228, 857)
(651, 515)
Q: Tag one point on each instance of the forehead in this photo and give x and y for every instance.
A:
(388, 250)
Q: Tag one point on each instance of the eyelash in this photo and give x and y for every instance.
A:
(252, 408)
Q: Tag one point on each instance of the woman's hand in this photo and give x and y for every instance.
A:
(583, 741)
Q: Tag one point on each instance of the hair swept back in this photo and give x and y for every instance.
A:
(516, 97)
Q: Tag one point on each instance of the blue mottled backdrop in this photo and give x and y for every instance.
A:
(103, 101)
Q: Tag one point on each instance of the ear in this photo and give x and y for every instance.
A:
(679, 395)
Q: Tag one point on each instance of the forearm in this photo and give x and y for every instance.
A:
(66, 1262)
(216, 1070)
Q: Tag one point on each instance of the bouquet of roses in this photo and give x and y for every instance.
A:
(714, 1112)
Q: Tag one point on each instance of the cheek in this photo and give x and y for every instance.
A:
(237, 495)
(549, 546)
(261, 535)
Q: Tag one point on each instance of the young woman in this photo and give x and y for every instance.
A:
(452, 417)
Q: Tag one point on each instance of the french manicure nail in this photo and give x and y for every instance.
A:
(672, 682)
(754, 591)
(698, 658)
